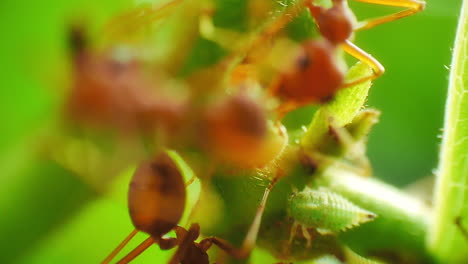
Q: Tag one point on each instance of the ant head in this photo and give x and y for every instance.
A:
(315, 77)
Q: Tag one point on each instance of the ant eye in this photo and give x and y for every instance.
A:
(304, 62)
(327, 99)
(77, 40)
(161, 170)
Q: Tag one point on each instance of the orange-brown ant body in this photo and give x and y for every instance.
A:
(156, 201)
(316, 75)
(236, 132)
(111, 94)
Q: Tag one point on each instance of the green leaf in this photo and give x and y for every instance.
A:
(38, 197)
(302, 27)
(451, 197)
(205, 53)
(231, 14)
(401, 223)
(342, 109)
(90, 236)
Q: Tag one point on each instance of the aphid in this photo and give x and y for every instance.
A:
(325, 211)
(317, 75)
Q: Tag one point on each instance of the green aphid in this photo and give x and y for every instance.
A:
(325, 211)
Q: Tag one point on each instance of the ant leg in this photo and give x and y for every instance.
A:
(130, 21)
(159, 11)
(251, 237)
(137, 251)
(120, 247)
(239, 253)
(164, 244)
(206, 243)
(150, 13)
(285, 108)
(190, 181)
(268, 30)
(458, 223)
(185, 238)
(167, 243)
(352, 148)
(414, 6)
(355, 51)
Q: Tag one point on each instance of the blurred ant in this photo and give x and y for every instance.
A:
(317, 75)
(236, 131)
(111, 94)
(156, 201)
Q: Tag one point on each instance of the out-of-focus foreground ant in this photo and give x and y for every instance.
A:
(156, 201)
(110, 94)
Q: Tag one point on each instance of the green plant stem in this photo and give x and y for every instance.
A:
(451, 197)
(401, 223)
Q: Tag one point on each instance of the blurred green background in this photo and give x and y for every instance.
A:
(36, 227)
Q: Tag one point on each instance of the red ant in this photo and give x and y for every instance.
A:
(107, 93)
(156, 201)
(316, 75)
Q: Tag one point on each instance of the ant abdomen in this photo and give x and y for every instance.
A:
(156, 196)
